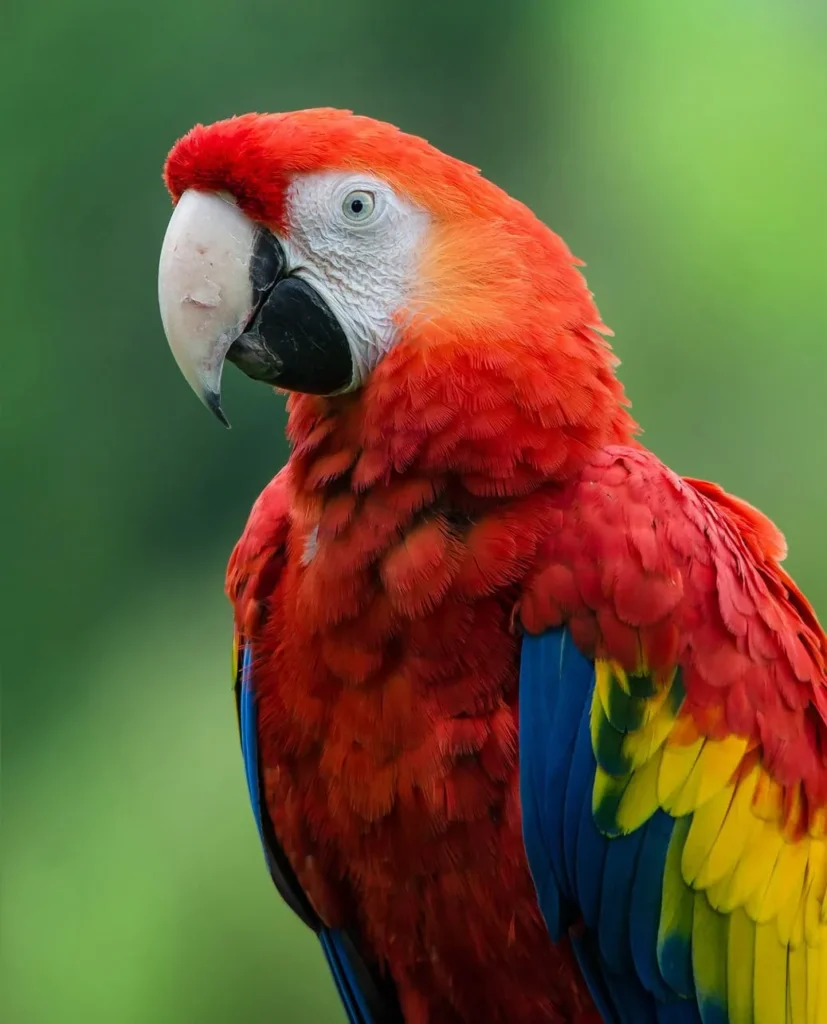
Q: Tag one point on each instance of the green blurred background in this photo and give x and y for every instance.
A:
(679, 148)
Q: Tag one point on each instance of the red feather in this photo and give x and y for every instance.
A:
(753, 653)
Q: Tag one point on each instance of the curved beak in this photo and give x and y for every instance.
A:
(214, 261)
(224, 293)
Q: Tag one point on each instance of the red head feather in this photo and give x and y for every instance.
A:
(500, 362)
(255, 155)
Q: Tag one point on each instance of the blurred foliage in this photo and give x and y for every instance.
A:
(680, 149)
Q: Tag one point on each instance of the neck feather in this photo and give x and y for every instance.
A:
(489, 426)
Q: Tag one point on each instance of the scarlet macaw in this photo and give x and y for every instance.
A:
(534, 728)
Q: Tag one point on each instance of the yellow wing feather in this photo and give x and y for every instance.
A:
(797, 984)
(736, 832)
(744, 882)
(707, 823)
(740, 956)
(711, 773)
(769, 976)
(816, 983)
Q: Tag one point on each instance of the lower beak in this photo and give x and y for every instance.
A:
(225, 292)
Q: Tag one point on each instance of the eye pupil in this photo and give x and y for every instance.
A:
(357, 205)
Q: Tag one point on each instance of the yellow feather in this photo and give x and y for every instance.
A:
(821, 998)
(823, 847)
(602, 683)
(794, 813)
(811, 921)
(797, 932)
(597, 716)
(814, 893)
(718, 893)
(784, 885)
(653, 707)
(768, 802)
(816, 989)
(640, 798)
(755, 867)
(677, 763)
(641, 745)
(797, 985)
(709, 951)
(606, 795)
(738, 827)
(791, 911)
(818, 823)
(769, 976)
(740, 957)
(707, 822)
(710, 774)
(619, 673)
(675, 908)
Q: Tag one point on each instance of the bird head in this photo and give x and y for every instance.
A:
(320, 252)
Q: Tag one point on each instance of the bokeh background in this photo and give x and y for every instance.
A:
(679, 148)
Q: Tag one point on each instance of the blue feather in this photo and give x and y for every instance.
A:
(249, 735)
(578, 792)
(591, 846)
(613, 883)
(633, 1004)
(615, 900)
(347, 984)
(619, 997)
(546, 741)
(339, 977)
(588, 960)
(644, 916)
(679, 1011)
(535, 664)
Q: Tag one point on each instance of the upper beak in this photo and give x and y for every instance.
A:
(215, 266)
(225, 293)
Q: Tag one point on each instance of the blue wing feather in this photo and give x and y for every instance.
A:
(588, 848)
(615, 900)
(591, 847)
(546, 750)
(587, 955)
(543, 841)
(578, 792)
(346, 982)
(644, 915)
(339, 977)
(611, 885)
(249, 740)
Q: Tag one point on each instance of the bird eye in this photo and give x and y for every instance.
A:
(358, 206)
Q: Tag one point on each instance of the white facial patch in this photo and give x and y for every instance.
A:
(358, 244)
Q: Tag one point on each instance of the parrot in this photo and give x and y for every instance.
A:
(534, 729)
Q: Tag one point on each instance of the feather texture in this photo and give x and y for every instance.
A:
(726, 916)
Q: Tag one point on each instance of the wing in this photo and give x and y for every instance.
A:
(673, 752)
(368, 996)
